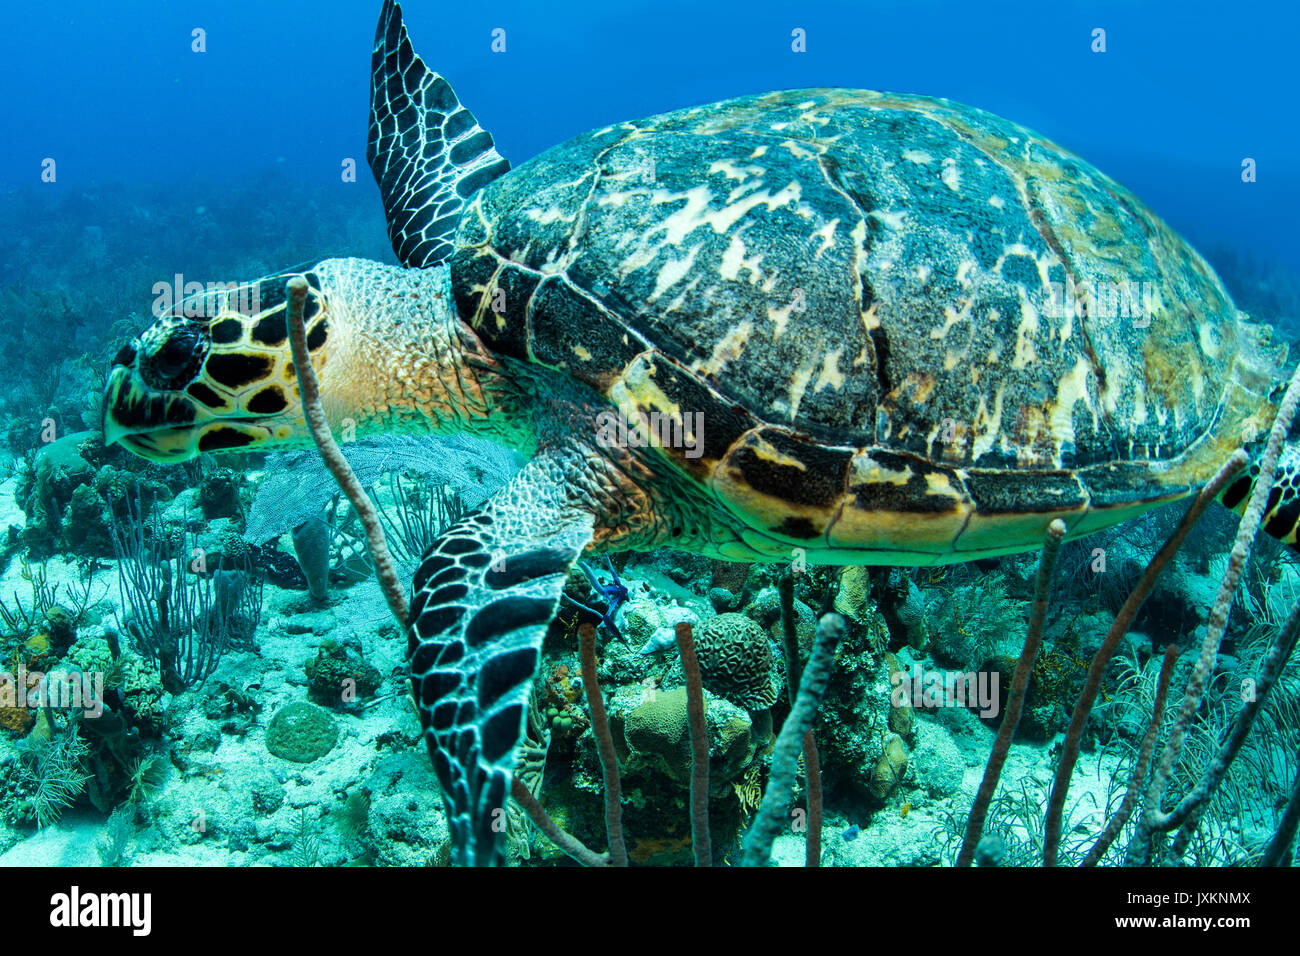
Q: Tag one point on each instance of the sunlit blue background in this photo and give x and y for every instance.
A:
(1183, 93)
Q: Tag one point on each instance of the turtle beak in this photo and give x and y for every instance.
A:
(154, 425)
(123, 361)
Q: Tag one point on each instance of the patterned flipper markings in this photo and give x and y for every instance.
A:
(484, 595)
(1282, 514)
(427, 152)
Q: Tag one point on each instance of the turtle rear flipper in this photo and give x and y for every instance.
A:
(427, 152)
(483, 597)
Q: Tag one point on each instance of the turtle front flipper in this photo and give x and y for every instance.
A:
(483, 597)
(1282, 512)
(427, 152)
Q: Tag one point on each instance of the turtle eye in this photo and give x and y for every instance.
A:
(173, 354)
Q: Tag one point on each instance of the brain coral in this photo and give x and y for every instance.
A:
(736, 660)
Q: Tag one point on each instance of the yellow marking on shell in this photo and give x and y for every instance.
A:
(1026, 353)
(1020, 249)
(1036, 439)
(987, 426)
(1072, 388)
(950, 176)
(617, 198)
(938, 483)
(695, 213)
(917, 156)
(933, 436)
(768, 452)
(747, 178)
(866, 470)
(735, 493)
(1208, 336)
(814, 118)
(780, 318)
(758, 153)
(858, 237)
(871, 318)
(799, 384)
(951, 317)
(1067, 327)
(544, 217)
(920, 385)
(636, 390)
(733, 261)
(827, 235)
(927, 536)
(805, 211)
(997, 202)
(729, 348)
(830, 375)
(1139, 403)
(797, 151)
(682, 296)
(1168, 377)
(891, 219)
(673, 271)
(738, 173)
(582, 353)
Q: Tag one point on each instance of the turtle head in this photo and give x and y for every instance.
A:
(214, 373)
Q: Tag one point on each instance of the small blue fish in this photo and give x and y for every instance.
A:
(851, 834)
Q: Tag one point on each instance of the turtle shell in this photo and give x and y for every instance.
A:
(915, 331)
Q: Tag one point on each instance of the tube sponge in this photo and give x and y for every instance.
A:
(311, 544)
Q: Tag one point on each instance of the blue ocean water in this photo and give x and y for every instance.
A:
(1182, 94)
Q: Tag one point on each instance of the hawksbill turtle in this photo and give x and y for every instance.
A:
(819, 323)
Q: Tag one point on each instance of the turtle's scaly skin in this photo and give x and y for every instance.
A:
(854, 290)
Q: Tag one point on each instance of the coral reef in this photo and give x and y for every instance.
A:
(339, 675)
(301, 732)
(311, 545)
(648, 625)
(654, 733)
(47, 776)
(735, 661)
(184, 614)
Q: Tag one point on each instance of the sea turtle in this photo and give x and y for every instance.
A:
(817, 324)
